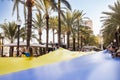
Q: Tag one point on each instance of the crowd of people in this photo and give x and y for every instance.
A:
(113, 50)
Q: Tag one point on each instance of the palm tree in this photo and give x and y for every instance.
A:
(77, 28)
(10, 31)
(86, 33)
(29, 4)
(46, 6)
(39, 24)
(59, 20)
(63, 32)
(69, 21)
(108, 34)
(78, 33)
(111, 22)
(16, 7)
(53, 26)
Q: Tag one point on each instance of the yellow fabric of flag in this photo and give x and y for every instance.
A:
(14, 64)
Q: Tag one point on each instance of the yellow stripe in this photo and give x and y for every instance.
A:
(9, 65)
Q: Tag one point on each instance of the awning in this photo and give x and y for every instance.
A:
(23, 44)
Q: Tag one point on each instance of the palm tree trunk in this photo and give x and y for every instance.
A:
(59, 25)
(81, 42)
(78, 43)
(40, 36)
(68, 42)
(40, 49)
(73, 43)
(78, 39)
(11, 50)
(64, 38)
(53, 36)
(29, 21)
(47, 31)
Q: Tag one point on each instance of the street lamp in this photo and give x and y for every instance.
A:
(2, 37)
(18, 22)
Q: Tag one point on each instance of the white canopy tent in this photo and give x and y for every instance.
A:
(23, 44)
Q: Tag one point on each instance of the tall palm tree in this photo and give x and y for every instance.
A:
(38, 23)
(29, 4)
(16, 7)
(67, 22)
(59, 18)
(46, 6)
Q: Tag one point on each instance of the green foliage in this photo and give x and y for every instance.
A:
(111, 23)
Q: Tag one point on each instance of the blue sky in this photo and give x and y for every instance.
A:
(5, 10)
(92, 8)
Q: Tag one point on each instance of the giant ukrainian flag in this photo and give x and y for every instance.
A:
(61, 65)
